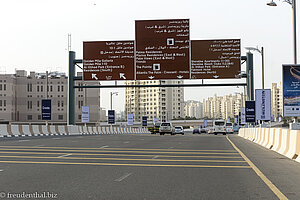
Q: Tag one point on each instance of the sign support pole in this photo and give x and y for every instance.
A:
(71, 89)
(249, 71)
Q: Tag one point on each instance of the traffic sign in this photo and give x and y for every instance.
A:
(111, 116)
(144, 120)
(162, 49)
(108, 60)
(85, 114)
(46, 109)
(216, 59)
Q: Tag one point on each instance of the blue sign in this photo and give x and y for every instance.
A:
(46, 109)
(111, 116)
(144, 120)
(250, 111)
(205, 123)
(291, 90)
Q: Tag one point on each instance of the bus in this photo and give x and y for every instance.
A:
(219, 127)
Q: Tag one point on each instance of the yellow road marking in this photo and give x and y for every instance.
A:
(127, 159)
(140, 152)
(275, 190)
(119, 164)
(124, 155)
(100, 148)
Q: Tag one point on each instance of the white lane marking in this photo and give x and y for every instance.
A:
(56, 138)
(155, 157)
(123, 177)
(103, 147)
(1, 170)
(64, 155)
(171, 148)
(126, 142)
(24, 140)
(79, 137)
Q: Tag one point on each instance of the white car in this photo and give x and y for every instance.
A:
(179, 130)
(229, 127)
(166, 127)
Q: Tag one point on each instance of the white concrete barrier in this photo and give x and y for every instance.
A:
(15, 130)
(278, 140)
(62, 130)
(266, 138)
(4, 130)
(26, 130)
(90, 130)
(271, 138)
(294, 147)
(285, 141)
(73, 130)
(44, 130)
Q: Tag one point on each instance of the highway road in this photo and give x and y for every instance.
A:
(144, 167)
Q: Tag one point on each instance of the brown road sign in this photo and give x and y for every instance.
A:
(108, 60)
(162, 49)
(216, 59)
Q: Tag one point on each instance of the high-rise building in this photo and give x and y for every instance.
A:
(223, 107)
(276, 101)
(193, 109)
(21, 97)
(161, 103)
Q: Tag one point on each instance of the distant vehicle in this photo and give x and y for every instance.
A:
(219, 127)
(203, 130)
(179, 130)
(196, 131)
(155, 128)
(166, 127)
(229, 127)
(236, 128)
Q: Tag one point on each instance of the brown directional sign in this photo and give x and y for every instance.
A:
(108, 60)
(162, 49)
(216, 59)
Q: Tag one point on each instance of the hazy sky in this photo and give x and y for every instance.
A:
(34, 33)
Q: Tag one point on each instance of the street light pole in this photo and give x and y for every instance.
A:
(111, 101)
(293, 4)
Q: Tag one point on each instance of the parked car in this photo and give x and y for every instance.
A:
(179, 130)
(196, 131)
(166, 127)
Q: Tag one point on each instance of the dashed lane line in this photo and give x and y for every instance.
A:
(123, 177)
(126, 164)
(272, 187)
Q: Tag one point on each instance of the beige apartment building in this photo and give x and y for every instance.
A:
(193, 109)
(223, 107)
(21, 97)
(276, 101)
(161, 103)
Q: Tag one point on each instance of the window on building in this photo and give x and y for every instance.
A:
(60, 117)
(58, 88)
(39, 117)
(4, 87)
(37, 88)
(51, 88)
(62, 103)
(79, 117)
(0, 102)
(62, 88)
(4, 102)
(42, 88)
(29, 117)
(58, 103)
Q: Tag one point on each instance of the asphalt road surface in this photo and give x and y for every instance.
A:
(144, 166)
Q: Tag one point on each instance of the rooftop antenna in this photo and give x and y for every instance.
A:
(69, 42)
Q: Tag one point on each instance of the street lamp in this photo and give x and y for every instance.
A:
(262, 62)
(111, 94)
(293, 4)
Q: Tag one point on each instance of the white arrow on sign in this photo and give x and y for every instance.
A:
(151, 77)
(216, 76)
(122, 75)
(94, 76)
(179, 76)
